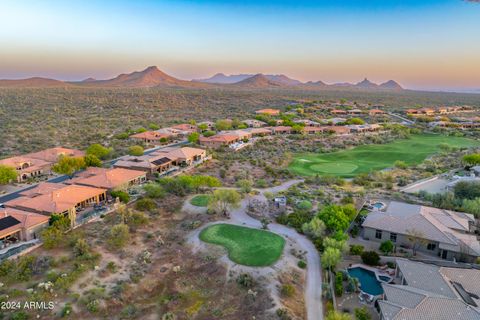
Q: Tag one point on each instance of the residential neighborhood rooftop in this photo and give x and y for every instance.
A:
(449, 228)
(432, 292)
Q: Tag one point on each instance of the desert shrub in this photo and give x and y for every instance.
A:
(304, 205)
(145, 204)
(121, 195)
(7, 267)
(370, 258)
(356, 249)
(81, 249)
(261, 183)
(386, 247)
(362, 314)
(119, 236)
(338, 284)
(245, 280)
(287, 290)
(135, 150)
(154, 191)
(282, 314)
(137, 218)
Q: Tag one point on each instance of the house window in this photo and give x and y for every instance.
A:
(378, 234)
(431, 246)
(393, 237)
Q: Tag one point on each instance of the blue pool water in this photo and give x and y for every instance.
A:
(368, 281)
(378, 205)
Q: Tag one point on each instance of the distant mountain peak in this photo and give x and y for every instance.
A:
(391, 85)
(366, 84)
(259, 81)
(149, 77)
(221, 78)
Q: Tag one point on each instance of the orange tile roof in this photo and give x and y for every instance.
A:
(281, 128)
(185, 127)
(219, 138)
(52, 154)
(110, 178)
(58, 200)
(181, 153)
(151, 135)
(255, 131)
(41, 188)
(336, 129)
(312, 129)
(19, 161)
(268, 111)
(27, 219)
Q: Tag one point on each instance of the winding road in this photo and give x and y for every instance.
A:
(313, 289)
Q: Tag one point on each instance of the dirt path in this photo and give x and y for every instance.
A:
(313, 289)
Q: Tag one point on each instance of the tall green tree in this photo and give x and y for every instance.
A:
(69, 165)
(314, 229)
(135, 150)
(244, 185)
(223, 125)
(99, 151)
(193, 137)
(224, 200)
(331, 257)
(386, 247)
(92, 161)
(7, 174)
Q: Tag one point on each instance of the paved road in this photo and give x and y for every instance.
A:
(313, 289)
(60, 179)
(401, 118)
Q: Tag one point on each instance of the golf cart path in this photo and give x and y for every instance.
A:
(313, 289)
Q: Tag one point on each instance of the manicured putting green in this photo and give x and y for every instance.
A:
(200, 200)
(334, 167)
(246, 246)
(363, 159)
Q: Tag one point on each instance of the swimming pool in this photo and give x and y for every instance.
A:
(368, 281)
(378, 205)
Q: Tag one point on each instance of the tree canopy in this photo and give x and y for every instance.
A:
(223, 200)
(7, 174)
(467, 190)
(69, 165)
(92, 161)
(472, 159)
(337, 218)
(193, 137)
(99, 151)
(331, 257)
(135, 150)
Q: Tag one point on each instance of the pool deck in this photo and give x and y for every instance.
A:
(376, 271)
(349, 302)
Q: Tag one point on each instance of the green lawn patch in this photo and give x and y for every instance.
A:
(246, 246)
(200, 200)
(363, 159)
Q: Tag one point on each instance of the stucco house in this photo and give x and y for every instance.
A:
(443, 233)
(431, 291)
(36, 164)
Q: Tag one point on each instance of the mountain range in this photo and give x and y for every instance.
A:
(153, 77)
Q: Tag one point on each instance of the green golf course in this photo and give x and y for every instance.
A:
(246, 246)
(200, 200)
(367, 158)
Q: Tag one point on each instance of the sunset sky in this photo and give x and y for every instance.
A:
(421, 44)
